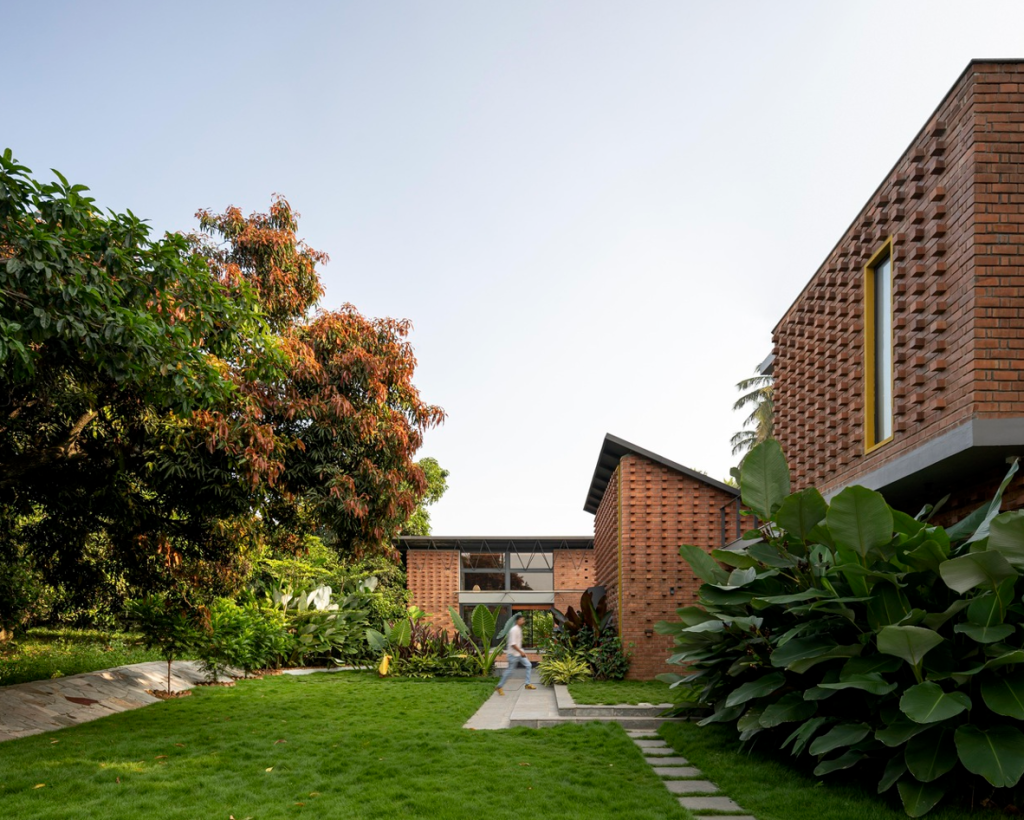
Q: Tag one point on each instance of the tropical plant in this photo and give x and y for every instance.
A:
(167, 625)
(415, 649)
(488, 643)
(863, 637)
(563, 670)
(326, 628)
(758, 397)
(223, 640)
(589, 635)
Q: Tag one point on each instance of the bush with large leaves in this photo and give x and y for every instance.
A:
(865, 638)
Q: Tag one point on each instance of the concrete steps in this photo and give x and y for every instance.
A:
(640, 717)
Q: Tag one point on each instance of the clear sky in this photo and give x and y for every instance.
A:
(593, 212)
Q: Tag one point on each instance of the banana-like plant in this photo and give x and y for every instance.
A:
(864, 637)
(487, 645)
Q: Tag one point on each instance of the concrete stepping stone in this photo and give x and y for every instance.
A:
(709, 804)
(652, 744)
(692, 787)
(677, 771)
(724, 817)
(667, 761)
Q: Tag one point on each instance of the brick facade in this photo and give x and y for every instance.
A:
(953, 208)
(433, 578)
(574, 572)
(647, 512)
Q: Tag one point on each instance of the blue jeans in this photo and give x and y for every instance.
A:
(513, 662)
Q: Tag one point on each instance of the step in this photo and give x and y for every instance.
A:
(650, 723)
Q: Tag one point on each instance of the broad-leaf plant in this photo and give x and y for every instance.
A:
(863, 637)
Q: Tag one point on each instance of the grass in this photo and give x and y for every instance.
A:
(342, 745)
(623, 691)
(772, 789)
(54, 653)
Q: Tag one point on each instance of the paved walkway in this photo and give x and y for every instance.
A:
(45, 705)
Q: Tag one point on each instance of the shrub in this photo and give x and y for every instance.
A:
(417, 650)
(563, 670)
(589, 635)
(864, 638)
(325, 628)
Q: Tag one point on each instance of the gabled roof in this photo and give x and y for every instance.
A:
(612, 451)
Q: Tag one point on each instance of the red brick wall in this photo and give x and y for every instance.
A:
(998, 123)
(927, 205)
(574, 572)
(433, 579)
(661, 509)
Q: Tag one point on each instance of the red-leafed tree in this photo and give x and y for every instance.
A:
(331, 443)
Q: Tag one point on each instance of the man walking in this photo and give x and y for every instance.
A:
(516, 656)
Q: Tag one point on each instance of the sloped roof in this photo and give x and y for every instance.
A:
(613, 449)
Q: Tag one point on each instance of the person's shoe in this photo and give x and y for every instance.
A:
(499, 690)
(529, 686)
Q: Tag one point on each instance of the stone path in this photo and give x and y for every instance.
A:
(45, 705)
(696, 793)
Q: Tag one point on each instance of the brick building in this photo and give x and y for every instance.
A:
(899, 365)
(644, 507)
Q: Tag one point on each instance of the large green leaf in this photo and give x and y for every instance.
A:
(997, 754)
(872, 682)
(803, 664)
(787, 709)
(484, 622)
(723, 714)
(974, 569)
(986, 634)
(928, 703)
(764, 478)
(756, 689)
(936, 619)
(845, 734)
(794, 598)
(919, 798)
(802, 735)
(899, 731)
(733, 559)
(703, 565)
(401, 633)
(869, 665)
(860, 520)
(1004, 694)
(847, 760)
(931, 754)
(800, 512)
(1006, 536)
(911, 643)
(894, 770)
(460, 625)
(926, 556)
(993, 508)
(888, 605)
(772, 556)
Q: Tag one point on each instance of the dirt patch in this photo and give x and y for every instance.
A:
(163, 694)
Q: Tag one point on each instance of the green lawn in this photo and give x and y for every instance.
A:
(347, 745)
(53, 653)
(623, 691)
(771, 789)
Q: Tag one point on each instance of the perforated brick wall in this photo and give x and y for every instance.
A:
(574, 572)
(661, 509)
(952, 205)
(433, 579)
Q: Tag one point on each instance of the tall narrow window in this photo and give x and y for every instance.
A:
(878, 287)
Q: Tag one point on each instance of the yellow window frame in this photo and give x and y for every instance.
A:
(884, 251)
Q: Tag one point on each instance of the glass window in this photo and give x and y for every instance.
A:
(537, 560)
(879, 347)
(538, 581)
(483, 581)
(483, 560)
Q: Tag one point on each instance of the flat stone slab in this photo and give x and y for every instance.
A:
(677, 771)
(667, 761)
(724, 817)
(652, 744)
(709, 804)
(691, 787)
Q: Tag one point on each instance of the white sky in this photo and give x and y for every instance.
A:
(594, 213)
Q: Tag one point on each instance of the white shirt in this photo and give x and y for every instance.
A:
(515, 640)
